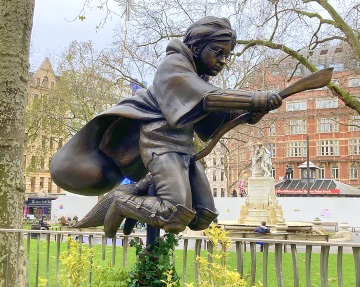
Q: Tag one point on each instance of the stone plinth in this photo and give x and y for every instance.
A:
(261, 203)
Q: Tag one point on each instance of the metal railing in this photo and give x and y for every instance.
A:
(272, 249)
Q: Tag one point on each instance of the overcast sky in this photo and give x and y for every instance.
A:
(53, 28)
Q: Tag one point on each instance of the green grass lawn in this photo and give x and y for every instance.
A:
(348, 265)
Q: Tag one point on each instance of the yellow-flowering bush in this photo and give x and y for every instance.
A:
(77, 261)
(216, 273)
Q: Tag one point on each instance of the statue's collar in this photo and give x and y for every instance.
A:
(176, 46)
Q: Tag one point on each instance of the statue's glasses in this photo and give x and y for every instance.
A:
(219, 54)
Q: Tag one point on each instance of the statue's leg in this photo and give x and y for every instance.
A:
(202, 198)
(170, 209)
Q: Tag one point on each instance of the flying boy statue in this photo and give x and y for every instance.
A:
(152, 133)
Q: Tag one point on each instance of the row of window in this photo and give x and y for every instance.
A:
(45, 83)
(215, 161)
(323, 148)
(222, 175)
(215, 192)
(324, 125)
(41, 185)
(53, 142)
(334, 172)
(320, 104)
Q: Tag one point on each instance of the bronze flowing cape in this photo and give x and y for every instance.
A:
(106, 149)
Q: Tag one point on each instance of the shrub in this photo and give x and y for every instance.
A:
(78, 261)
(216, 273)
(154, 267)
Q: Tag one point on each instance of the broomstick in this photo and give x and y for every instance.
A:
(315, 80)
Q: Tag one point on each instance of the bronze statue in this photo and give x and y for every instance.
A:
(152, 132)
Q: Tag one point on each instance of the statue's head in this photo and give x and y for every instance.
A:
(211, 39)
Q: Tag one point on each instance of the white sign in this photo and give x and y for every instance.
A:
(325, 212)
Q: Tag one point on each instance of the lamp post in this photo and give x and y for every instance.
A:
(307, 166)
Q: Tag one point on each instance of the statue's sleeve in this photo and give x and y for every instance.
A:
(179, 91)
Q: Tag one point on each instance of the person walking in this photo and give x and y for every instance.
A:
(262, 228)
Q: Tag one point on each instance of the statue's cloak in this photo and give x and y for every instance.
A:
(106, 149)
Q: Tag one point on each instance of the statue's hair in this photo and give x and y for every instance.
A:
(207, 30)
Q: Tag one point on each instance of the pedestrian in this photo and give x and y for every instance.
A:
(262, 228)
(43, 224)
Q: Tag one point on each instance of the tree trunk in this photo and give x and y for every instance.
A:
(15, 31)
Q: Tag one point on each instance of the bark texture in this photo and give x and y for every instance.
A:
(15, 30)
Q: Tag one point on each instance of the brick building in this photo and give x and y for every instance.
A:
(316, 116)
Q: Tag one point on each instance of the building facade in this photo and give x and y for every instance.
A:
(216, 171)
(313, 124)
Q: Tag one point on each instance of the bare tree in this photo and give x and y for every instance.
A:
(266, 30)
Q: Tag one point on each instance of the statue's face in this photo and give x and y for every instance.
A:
(213, 58)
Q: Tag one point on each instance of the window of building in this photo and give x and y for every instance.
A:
(45, 82)
(222, 160)
(296, 149)
(354, 82)
(222, 175)
(354, 123)
(353, 171)
(327, 125)
(214, 175)
(321, 171)
(273, 172)
(297, 127)
(335, 171)
(327, 147)
(214, 161)
(272, 129)
(298, 71)
(42, 163)
(32, 184)
(320, 66)
(354, 146)
(222, 192)
(337, 66)
(275, 72)
(323, 52)
(296, 106)
(49, 185)
(41, 182)
(272, 150)
(215, 191)
(327, 104)
(338, 50)
(289, 72)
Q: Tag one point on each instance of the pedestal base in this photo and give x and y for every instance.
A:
(261, 203)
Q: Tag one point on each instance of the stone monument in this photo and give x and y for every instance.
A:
(261, 203)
